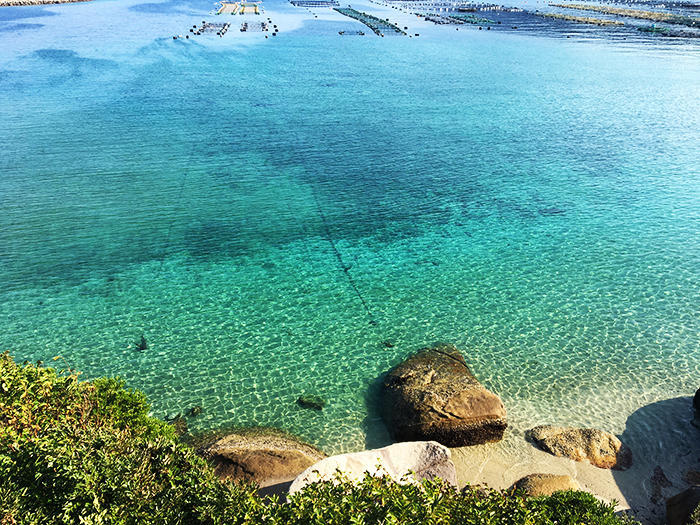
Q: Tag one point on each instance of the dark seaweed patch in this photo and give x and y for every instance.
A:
(19, 27)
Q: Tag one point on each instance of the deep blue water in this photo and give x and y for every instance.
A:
(268, 213)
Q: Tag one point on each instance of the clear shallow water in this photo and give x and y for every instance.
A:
(533, 200)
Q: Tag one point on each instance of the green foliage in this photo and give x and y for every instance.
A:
(88, 453)
(382, 501)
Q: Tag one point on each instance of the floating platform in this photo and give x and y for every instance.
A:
(379, 26)
(314, 3)
(239, 8)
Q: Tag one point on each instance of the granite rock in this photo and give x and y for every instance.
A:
(598, 447)
(265, 456)
(434, 396)
(424, 460)
(545, 484)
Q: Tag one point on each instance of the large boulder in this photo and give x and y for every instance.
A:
(598, 447)
(545, 484)
(434, 396)
(403, 462)
(265, 456)
(684, 508)
(696, 408)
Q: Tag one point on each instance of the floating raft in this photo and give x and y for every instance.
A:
(241, 8)
(582, 19)
(443, 20)
(654, 16)
(472, 19)
(379, 26)
(314, 3)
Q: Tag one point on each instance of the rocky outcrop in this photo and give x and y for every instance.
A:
(696, 408)
(423, 459)
(684, 508)
(434, 396)
(598, 447)
(265, 456)
(545, 484)
(7, 3)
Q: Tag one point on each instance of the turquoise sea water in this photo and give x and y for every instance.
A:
(268, 213)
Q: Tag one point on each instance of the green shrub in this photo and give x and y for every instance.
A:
(80, 452)
(382, 501)
(87, 452)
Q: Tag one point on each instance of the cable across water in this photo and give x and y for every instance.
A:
(343, 266)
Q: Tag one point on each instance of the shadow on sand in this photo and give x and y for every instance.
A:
(666, 450)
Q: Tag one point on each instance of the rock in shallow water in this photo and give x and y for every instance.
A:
(598, 447)
(684, 508)
(434, 396)
(264, 456)
(545, 484)
(425, 459)
(311, 401)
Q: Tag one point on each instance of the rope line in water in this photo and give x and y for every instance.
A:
(178, 200)
(343, 266)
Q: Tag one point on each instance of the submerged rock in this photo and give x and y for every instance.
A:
(545, 484)
(265, 456)
(194, 411)
(142, 344)
(403, 462)
(311, 401)
(180, 425)
(598, 447)
(658, 482)
(434, 396)
(684, 508)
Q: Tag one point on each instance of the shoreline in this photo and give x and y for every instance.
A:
(664, 464)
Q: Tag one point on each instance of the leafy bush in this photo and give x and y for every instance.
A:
(87, 452)
(382, 501)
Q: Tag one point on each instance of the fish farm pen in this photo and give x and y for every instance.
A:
(655, 16)
(582, 19)
(472, 19)
(442, 20)
(314, 3)
(379, 26)
(440, 6)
